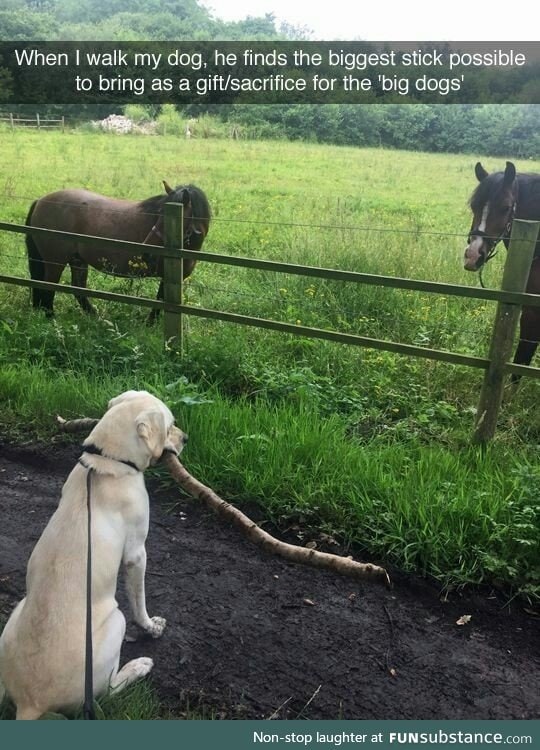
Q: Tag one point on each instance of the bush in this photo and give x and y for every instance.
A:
(137, 113)
(170, 122)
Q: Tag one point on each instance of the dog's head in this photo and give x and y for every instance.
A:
(138, 428)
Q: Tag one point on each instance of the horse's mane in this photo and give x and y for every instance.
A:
(490, 187)
(153, 205)
(486, 190)
(199, 203)
(529, 190)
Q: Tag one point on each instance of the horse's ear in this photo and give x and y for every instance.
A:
(480, 172)
(168, 188)
(186, 198)
(509, 174)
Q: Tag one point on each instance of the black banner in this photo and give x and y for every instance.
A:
(269, 72)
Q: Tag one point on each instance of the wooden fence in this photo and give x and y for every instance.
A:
(40, 123)
(497, 366)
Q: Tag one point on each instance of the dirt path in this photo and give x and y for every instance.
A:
(253, 637)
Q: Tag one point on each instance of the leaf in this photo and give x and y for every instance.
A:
(181, 381)
(464, 620)
(193, 400)
(256, 436)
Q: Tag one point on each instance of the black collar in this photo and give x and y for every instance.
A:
(98, 452)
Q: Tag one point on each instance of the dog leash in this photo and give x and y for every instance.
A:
(88, 706)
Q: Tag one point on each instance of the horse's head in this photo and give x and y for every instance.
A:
(493, 204)
(196, 213)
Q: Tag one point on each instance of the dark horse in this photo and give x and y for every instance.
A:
(84, 212)
(500, 198)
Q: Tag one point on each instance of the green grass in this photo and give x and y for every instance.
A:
(373, 446)
(137, 702)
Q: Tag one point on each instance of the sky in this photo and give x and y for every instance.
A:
(394, 20)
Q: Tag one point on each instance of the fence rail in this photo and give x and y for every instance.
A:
(509, 301)
(329, 274)
(40, 123)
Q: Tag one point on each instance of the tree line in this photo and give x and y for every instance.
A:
(491, 129)
(129, 20)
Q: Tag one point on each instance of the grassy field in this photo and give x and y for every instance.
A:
(371, 446)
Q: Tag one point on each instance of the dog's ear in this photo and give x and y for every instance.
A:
(152, 429)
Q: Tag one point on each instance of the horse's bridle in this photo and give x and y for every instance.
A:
(186, 240)
(489, 239)
(492, 241)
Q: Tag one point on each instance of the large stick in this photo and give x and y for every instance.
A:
(255, 534)
(76, 425)
(335, 563)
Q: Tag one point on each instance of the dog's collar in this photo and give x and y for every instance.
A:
(96, 451)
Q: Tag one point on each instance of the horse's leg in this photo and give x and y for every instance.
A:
(155, 312)
(52, 273)
(529, 324)
(79, 277)
(529, 333)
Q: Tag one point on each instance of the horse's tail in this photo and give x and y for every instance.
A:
(35, 261)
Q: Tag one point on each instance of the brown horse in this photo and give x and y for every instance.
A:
(499, 198)
(84, 212)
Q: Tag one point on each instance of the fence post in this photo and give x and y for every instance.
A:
(38, 123)
(63, 124)
(173, 273)
(515, 275)
(11, 121)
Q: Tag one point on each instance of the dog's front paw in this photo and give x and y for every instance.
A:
(156, 627)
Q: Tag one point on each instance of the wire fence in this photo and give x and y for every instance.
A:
(256, 222)
(173, 255)
(395, 282)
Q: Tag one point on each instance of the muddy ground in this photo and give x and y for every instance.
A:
(251, 636)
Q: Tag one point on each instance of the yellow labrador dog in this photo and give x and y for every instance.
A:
(42, 647)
